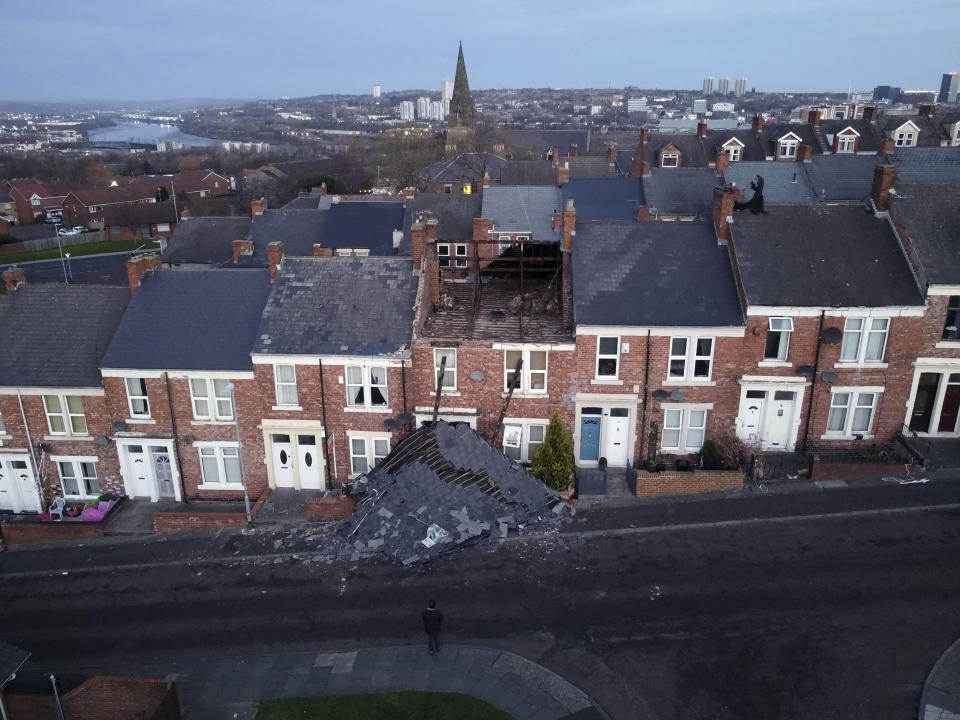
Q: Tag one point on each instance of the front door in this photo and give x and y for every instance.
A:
(162, 470)
(751, 416)
(616, 441)
(590, 435)
(778, 421)
(309, 462)
(950, 408)
(283, 471)
(924, 402)
(141, 479)
(18, 490)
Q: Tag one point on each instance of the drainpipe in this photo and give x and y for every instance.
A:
(646, 387)
(33, 453)
(326, 429)
(813, 381)
(176, 438)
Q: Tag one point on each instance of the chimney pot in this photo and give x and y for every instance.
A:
(883, 179)
(757, 123)
(257, 207)
(724, 202)
(397, 239)
(702, 128)
(139, 266)
(274, 257)
(926, 110)
(14, 278)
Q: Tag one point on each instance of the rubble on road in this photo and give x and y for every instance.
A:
(442, 487)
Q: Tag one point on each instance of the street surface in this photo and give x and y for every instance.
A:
(827, 618)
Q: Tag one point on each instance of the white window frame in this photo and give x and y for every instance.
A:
(460, 258)
(854, 402)
(367, 385)
(443, 255)
(280, 384)
(82, 480)
(212, 399)
(505, 243)
(448, 372)
(3, 427)
(787, 148)
(133, 397)
(906, 139)
(784, 327)
(690, 358)
(683, 428)
(526, 372)
(65, 415)
(670, 156)
(866, 329)
(846, 144)
(607, 356)
(734, 151)
(218, 451)
(521, 441)
(369, 454)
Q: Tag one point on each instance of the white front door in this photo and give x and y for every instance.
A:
(162, 470)
(615, 447)
(751, 415)
(283, 470)
(309, 462)
(138, 470)
(778, 421)
(18, 489)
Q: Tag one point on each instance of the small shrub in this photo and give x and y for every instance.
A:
(710, 456)
(552, 463)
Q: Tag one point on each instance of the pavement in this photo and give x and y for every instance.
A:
(229, 687)
(940, 699)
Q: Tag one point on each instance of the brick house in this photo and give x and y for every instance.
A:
(140, 220)
(37, 200)
(55, 421)
(86, 206)
(191, 183)
(180, 383)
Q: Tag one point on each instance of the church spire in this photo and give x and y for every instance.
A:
(462, 111)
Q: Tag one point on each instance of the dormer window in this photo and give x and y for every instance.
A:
(670, 160)
(734, 148)
(906, 139)
(787, 149)
(846, 143)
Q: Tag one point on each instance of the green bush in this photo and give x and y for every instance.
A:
(710, 456)
(552, 463)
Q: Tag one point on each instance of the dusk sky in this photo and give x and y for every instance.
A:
(137, 50)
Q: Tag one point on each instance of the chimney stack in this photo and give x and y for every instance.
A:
(757, 123)
(14, 278)
(566, 288)
(813, 117)
(883, 179)
(258, 206)
(431, 270)
(612, 153)
(926, 110)
(723, 161)
(869, 114)
(886, 147)
(138, 267)
(569, 225)
(274, 257)
(486, 179)
(184, 213)
(563, 173)
(724, 201)
(242, 247)
(323, 188)
(702, 129)
(574, 150)
(418, 240)
(804, 153)
(321, 251)
(555, 155)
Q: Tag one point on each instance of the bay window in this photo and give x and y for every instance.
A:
(367, 452)
(851, 412)
(79, 477)
(522, 439)
(683, 430)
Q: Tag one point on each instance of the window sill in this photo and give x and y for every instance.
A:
(202, 423)
(605, 381)
(4, 436)
(774, 363)
(79, 438)
(861, 366)
(363, 409)
(948, 345)
(444, 393)
(844, 436)
(526, 395)
(689, 383)
(233, 487)
(141, 421)
(289, 408)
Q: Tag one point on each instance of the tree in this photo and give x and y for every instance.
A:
(190, 162)
(552, 463)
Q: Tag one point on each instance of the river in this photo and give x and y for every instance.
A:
(147, 133)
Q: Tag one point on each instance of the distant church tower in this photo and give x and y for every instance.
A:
(463, 114)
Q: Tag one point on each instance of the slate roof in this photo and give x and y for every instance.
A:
(133, 214)
(821, 255)
(11, 659)
(931, 128)
(55, 335)
(190, 320)
(523, 208)
(869, 134)
(454, 212)
(841, 177)
(751, 151)
(298, 230)
(653, 274)
(937, 164)
(528, 172)
(539, 142)
(205, 241)
(468, 166)
(589, 167)
(339, 306)
(693, 149)
(774, 131)
(680, 191)
(930, 214)
(604, 198)
(364, 225)
(782, 182)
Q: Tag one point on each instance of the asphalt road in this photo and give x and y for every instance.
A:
(105, 269)
(827, 618)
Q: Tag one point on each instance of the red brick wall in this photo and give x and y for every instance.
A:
(177, 521)
(109, 697)
(329, 508)
(678, 483)
(20, 533)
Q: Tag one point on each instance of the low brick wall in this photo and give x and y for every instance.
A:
(333, 507)
(261, 501)
(175, 521)
(19, 533)
(673, 482)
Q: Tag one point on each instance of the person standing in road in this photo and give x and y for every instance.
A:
(432, 620)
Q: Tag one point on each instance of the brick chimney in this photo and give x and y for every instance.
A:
(813, 117)
(883, 179)
(321, 251)
(569, 225)
(184, 213)
(14, 278)
(138, 267)
(926, 110)
(431, 271)
(612, 153)
(724, 199)
(869, 114)
(323, 188)
(486, 179)
(574, 150)
(804, 153)
(644, 134)
(702, 128)
(723, 161)
(418, 239)
(274, 257)
(757, 123)
(258, 206)
(431, 229)
(563, 173)
(555, 155)
(886, 147)
(242, 247)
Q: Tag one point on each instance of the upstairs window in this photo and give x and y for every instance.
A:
(449, 383)
(65, 415)
(3, 428)
(366, 387)
(846, 143)
(285, 383)
(734, 152)
(787, 149)
(864, 340)
(211, 399)
(533, 374)
(670, 160)
(906, 139)
(778, 338)
(951, 328)
(690, 358)
(137, 398)
(452, 255)
(608, 357)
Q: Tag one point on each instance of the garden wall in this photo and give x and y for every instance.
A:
(673, 482)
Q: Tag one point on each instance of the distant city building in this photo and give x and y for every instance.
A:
(707, 86)
(407, 109)
(949, 88)
(740, 87)
(423, 104)
(635, 105)
(446, 93)
(376, 92)
(699, 105)
(436, 110)
(886, 92)
(920, 96)
(235, 146)
(727, 107)
(723, 86)
(596, 109)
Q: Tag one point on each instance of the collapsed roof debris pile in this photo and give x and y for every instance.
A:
(441, 487)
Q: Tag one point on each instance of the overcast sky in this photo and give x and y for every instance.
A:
(139, 50)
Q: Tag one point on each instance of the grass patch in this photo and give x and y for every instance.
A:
(382, 706)
(94, 248)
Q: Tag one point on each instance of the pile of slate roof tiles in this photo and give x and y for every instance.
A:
(440, 488)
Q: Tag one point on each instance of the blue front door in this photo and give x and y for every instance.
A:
(590, 438)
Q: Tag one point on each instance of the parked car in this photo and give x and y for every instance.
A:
(79, 229)
(71, 231)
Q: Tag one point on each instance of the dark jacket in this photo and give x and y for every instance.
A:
(432, 619)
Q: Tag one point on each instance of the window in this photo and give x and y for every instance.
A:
(846, 143)
(851, 412)
(778, 338)
(906, 139)
(449, 383)
(683, 430)
(137, 398)
(734, 152)
(207, 394)
(608, 357)
(366, 453)
(79, 478)
(459, 256)
(443, 254)
(690, 358)
(669, 160)
(864, 340)
(520, 441)
(3, 428)
(364, 383)
(951, 328)
(220, 464)
(788, 148)
(533, 374)
(285, 381)
(65, 415)
(505, 244)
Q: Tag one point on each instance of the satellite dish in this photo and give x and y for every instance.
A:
(676, 395)
(119, 426)
(831, 336)
(404, 418)
(102, 441)
(805, 370)
(476, 375)
(389, 423)
(829, 377)
(660, 394)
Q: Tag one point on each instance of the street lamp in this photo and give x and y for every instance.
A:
(243, 478)
(69, 269)
(56, 226)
